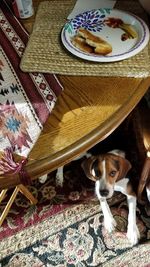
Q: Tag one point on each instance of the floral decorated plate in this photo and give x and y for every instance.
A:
(105, 35)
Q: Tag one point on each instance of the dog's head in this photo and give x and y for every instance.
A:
(106, 170)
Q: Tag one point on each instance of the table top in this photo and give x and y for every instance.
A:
(88, 110)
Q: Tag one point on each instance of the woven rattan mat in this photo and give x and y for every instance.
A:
(45, 52)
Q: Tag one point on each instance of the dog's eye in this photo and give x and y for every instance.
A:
(112, 173)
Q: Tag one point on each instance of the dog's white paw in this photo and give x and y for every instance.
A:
(110, 224)
(42, 179)
(59, 180)
(133, 234)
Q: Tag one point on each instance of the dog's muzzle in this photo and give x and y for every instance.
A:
(104, 193)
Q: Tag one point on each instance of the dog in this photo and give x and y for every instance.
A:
(108, 171)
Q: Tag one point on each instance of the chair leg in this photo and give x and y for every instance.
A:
(2, 194)
(8, 206)
(24, 190)
(20, 188)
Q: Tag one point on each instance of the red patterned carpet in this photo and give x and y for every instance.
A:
(66, 228)
(51, 200)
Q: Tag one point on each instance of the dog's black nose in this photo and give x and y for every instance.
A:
(104, 192)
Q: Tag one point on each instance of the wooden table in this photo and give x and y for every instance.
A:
(88, 110)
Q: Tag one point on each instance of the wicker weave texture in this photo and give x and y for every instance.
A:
(45, 52)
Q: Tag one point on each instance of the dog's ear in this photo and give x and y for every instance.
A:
(123, 166)
(87, 166)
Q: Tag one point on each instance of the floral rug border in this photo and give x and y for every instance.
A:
(69, 215)
(71, 226)
(37, 232)
(132, 257)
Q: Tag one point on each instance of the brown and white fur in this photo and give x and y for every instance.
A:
(109, 173)
(148, 190)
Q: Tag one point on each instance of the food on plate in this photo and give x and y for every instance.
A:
(88, 42)
(130, 32)
(101, 46)
(80, 43)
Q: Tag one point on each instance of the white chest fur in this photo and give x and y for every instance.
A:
(121, 186)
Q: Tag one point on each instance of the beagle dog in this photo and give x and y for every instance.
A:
(108, 171)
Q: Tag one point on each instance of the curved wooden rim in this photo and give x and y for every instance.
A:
(98, 134)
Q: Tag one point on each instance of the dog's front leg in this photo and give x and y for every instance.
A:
(60, 176)
(132, 231)
(109, 221)
(148, 192)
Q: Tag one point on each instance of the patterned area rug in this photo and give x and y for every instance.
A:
(66, 228)
(26, 99)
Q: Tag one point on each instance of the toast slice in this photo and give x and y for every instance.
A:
(100, 46)
(80, 43)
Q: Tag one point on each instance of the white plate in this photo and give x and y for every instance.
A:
(111, 26)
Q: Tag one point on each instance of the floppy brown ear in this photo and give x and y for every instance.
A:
(124, 167)
(87, 167)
